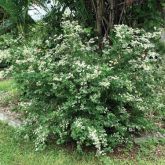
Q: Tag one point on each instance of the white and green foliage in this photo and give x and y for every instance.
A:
(7, 43)
(94, 99)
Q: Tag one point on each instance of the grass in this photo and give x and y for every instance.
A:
(15, 152)
(8, 92)
(6, 85)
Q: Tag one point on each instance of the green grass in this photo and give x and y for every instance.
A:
(6, 85)
(8, 92)
(13, 152)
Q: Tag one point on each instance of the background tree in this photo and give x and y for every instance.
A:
(106, 13)
(101, 15)
(17, 11)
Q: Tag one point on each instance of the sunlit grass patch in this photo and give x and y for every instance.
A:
(7, 85)
(8, 92)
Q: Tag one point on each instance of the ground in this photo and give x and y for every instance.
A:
(15, 151)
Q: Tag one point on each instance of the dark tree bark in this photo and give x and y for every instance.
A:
(99, 17)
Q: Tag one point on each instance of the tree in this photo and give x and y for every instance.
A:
(17, 11)
(101, 15)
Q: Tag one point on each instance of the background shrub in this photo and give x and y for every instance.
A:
(7, 42)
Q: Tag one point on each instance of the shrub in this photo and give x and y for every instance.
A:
(7, 42)
(76, 93)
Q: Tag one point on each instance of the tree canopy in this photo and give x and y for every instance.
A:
(101, 15)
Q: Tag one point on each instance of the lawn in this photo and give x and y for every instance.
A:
(13, 152)
(6, 85)
(8, 92)
(18, 152)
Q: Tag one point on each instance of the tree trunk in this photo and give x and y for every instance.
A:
(99, 17)
(111, 14)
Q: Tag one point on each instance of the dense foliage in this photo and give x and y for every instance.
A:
(7, 42)
(74, 93)
(100, 15)
(93, 77)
